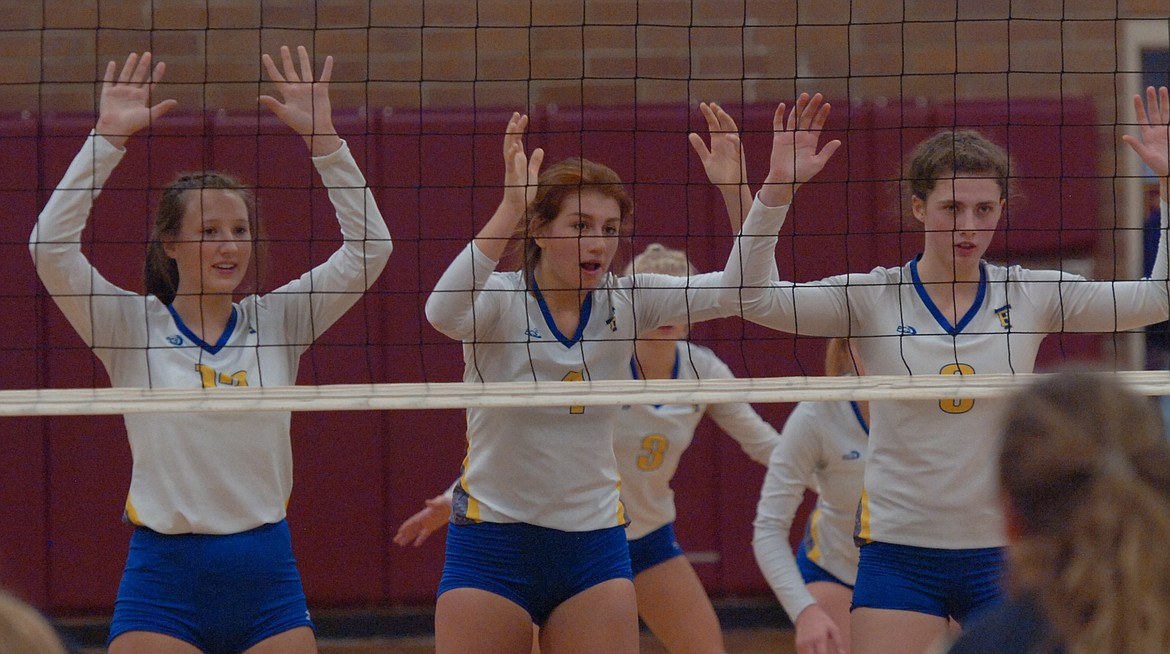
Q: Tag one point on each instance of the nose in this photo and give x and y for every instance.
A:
(965, 221)
(592, 241)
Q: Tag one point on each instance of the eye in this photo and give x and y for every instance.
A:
(209, 231)
(611, 230)
(241, 231)
(581, 226)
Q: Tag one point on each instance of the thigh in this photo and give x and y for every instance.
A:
(147, 642)
(300, 640)
(602, 618)
(834, 599)
(477, 621)
(887, 631)
(674, 604)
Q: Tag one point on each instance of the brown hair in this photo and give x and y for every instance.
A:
(957, 154)
(161, 273)
(556, 183)
(1085, 470)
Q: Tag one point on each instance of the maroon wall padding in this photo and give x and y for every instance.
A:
(24, 546)
(438, 177)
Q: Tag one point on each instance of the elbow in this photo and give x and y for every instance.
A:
(439, 316)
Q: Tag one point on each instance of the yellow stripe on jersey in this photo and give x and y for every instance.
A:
(863, 532)
(622, 520)
(814, 522)
(132, 513)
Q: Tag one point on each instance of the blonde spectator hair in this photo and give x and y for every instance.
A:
(23, 630)
(657, 258)
(1085, 470)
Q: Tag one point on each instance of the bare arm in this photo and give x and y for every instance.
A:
(521, 173)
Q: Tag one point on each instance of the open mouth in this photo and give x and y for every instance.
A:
(591, 267)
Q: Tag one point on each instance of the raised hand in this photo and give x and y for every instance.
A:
(1153, 141)
(306, 107)
(723, 161)
(124, 106)
(521, 172)
(521, 176)
(795, 137)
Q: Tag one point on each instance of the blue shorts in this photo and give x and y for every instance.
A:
(810, 571)
(218, 593)
(535, 567)
(946, 583)
(653, 548)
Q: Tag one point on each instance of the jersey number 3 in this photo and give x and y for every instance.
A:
(653, 451)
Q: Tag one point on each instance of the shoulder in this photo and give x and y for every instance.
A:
(1029, 275)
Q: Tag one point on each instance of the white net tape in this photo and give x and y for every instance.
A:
(455, 395)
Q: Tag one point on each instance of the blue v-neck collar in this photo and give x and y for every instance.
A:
(582, 320)
(860, 417)
(673, 370)
(934, 310)
(210, 349)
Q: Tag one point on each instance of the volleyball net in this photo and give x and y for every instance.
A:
(422, 91)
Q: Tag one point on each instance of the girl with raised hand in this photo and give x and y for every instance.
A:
(930, 516)
(211, 566)
(538, 528)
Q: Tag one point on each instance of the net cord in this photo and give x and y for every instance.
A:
(458, 395)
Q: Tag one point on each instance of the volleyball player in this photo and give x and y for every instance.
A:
(822, 448)
(210, 566)
(649, 441)
(538, 530)
(930, 516)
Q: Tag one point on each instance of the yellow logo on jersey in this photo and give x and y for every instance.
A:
(1005, 316)
(212, 378)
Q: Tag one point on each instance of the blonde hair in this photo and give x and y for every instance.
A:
(23, 630)
(657, 258)
(1085, 468)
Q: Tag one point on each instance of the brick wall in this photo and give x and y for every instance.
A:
(454, 53)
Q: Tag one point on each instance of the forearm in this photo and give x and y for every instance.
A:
(366, 238)
(493, 237)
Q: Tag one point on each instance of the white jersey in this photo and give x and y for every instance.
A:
(822, 447)
(930, 477)
(209, 473)
(650, 440)
(550, 466)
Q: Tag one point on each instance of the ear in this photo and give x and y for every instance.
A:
(918, 208)
(168, 246)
